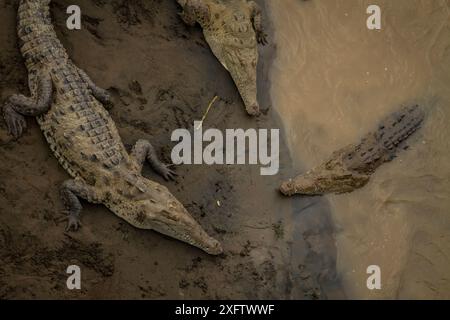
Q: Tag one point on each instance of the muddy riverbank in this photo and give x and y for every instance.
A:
(162, 76)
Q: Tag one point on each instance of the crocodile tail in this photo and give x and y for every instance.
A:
(398, 127)
(37, 37)
(380, 146)
(33, 16)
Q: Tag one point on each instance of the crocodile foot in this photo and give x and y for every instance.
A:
(73, 223)
(165, 171)
(261, 37)
(15, 122)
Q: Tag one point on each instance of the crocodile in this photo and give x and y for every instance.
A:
(351, 167)
(70, 110)
(233, 29)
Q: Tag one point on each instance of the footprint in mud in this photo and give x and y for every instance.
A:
(13, 75)
(177, 112)
(130, 99)
(26, 255)
(89, 23)
(91, 255)
(201, 284)
(184, 284)
(92, 25)
(150, 292)
(136, 87)
(132, 13)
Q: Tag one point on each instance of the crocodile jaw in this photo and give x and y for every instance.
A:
(182, 226)
(157, 209)
(302, 185)
(315, 183)
(242, 66)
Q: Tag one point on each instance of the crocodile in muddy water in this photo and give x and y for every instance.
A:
(70, 111)
(350, 168)
(233, 30)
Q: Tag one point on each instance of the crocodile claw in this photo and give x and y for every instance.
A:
(108, 105)
(15, 122)
(167, 173)
(73, 223)
(105, 98)
(261, 37)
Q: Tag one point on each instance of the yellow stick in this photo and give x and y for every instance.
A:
(206, 112)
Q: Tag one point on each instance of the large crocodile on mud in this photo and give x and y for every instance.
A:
(69, 109)
(350, 168)
(233, 29)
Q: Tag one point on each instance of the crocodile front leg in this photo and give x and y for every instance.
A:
(256, 15)
(19, 105)
(100, 94)
(143, 150)
(70, 191)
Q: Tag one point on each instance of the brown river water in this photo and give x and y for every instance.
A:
(332, 80)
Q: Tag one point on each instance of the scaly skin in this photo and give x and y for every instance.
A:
(232, 28)
(350, 168)
(85, 140)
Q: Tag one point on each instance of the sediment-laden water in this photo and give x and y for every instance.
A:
(331, 82)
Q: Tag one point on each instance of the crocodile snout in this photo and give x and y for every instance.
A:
(254, 110)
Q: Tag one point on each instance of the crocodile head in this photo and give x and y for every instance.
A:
(149, 205)
(322, 181)
(241, 63)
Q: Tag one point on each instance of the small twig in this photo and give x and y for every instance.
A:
(207, 111)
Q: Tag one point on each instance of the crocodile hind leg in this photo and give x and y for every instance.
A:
(18, 106)
(256, 15)
(143, 150)
(71, 190)
(100, 94)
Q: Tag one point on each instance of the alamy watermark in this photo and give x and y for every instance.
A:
(74, 280)
(236, 146)
(73, 22)
(374, 280)
(374, 20)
